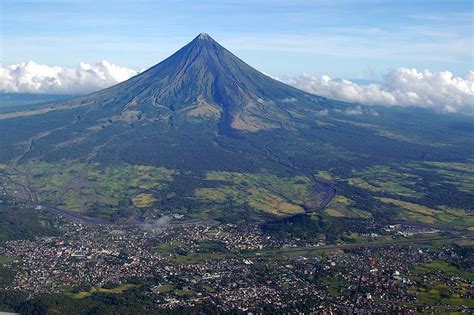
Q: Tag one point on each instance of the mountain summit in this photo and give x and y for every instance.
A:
(203, 80)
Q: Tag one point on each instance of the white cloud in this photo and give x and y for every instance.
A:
(400, 87)
(357, 110)
(30, 77)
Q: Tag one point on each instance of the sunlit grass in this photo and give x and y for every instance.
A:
(440, 215)
(118, 290)
(262, 192)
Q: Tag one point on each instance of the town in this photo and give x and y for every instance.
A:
(179, 264)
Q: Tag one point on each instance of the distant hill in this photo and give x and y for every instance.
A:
(20, 101)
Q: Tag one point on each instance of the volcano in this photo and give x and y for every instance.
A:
(203, 80)
(204, 133)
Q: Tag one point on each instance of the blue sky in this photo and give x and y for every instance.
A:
(348, 39)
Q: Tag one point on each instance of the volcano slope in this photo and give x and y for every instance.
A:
(205, 135)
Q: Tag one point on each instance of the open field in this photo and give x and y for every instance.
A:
(265, 193)
(6, 259)
(117, 290)
(102, 190)
(461, 175)
(385, 179)
(414, 180)
(426, 192)
(342, 207)
(438, 193)
(94, 187)
(180, 253)
(444, 268)
(441, 216)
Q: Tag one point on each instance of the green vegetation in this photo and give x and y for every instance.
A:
(164, 288)
(117, 290)
(341, 207)
(460, 175)
(184, 292)
(325, 175)
(443, 267)
(143, 200)
(180, 253)
(194, 258)
(438, 292)
(386, 179)
(6, 259)
(18, 222)
(95, 188)
(443, 215)
(438, 193)
(265, 193)
(302, 226)
(7, 272)
(334, 285)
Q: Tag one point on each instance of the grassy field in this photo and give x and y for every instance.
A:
(342, 207)
(416, 189)
(6, 259)
(439, 193)
(408, 180)
(143, 200)
(445, 268)
(266, 193)
(100, 190)
(386, 179)
(325, 175)
(164, 288)
(179, 252)
(460, 175)
(117, 290)
(442, 215)
(81, 187)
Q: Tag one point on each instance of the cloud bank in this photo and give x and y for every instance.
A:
(440, 91)
(30, 77)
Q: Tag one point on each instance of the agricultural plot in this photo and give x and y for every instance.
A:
(438, 193)
(342, 207)
(440, 216)
(95, 187)
(265, 193)
(427, 192)
(414, 180)
(460, 175)
(386, 179)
